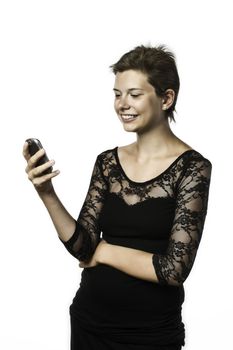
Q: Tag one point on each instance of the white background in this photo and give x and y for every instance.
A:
(56, 85)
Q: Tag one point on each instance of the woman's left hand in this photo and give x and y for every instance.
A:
(96, 257)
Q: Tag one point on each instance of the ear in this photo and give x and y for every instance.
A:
(168, 99)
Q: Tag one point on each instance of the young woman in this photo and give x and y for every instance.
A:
(149, 199)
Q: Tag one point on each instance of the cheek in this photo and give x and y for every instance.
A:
(115, 105)
(141, 106)
(152, 105)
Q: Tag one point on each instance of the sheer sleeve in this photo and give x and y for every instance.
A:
(191, 207)
(86, 236)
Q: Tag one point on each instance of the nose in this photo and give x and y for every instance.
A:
(123, 103)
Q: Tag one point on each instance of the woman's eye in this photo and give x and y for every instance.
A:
(135, 95)
(116, 96)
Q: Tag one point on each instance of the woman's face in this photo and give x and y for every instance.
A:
(136, 103)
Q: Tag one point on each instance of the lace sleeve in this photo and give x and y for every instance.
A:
(191, 207)
(86, 236)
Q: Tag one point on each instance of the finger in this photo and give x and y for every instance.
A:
(33, 159)
(37, 170)
(26, 153)
(41, 168)
(37, 181)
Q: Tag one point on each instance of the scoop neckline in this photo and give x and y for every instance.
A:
(155, 177)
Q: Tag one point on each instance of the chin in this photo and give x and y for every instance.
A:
(131, 129)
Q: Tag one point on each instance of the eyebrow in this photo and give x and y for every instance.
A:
(128, 89)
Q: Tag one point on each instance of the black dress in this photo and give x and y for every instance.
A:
(164, 216)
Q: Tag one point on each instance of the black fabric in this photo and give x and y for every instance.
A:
(164, 216)
(85, 340)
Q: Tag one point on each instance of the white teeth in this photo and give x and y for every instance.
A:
(129, 116)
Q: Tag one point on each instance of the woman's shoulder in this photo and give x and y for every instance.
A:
(113, 152)
(189, 155)
(106, 153)
(194, 166)
(195, 156)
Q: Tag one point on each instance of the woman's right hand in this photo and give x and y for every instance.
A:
(42, 183)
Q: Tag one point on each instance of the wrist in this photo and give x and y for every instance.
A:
(47, 194)
(105, 254)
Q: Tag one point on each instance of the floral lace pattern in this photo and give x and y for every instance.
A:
(186, 180)
(86, 237)
(190, 213)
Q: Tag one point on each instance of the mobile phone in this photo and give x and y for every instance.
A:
(35, 145)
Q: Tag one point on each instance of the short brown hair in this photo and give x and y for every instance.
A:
(158, 64)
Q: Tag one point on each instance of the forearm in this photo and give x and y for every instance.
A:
(136, 263)
(64, 223)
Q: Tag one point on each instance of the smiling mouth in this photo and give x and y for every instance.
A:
(128, 117)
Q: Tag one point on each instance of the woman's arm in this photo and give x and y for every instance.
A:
(81, 236)
(62, 220)
(136, 263)
(86, 236)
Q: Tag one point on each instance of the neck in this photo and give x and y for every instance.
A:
(157, 142)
